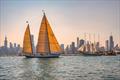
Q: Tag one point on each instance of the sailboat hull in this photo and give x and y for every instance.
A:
(91, 54)
(43, 56)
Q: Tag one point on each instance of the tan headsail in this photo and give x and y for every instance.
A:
(47, 42)
(27, 44)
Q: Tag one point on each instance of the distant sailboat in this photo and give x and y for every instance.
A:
(47, 45)
(88, 50)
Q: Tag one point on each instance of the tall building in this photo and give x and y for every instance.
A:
(15, 45)
(111, 43)
(81, 42)
(67, 49)
(5, 42)
(78, 42)
(18, 46)
(97, 46)
(11, 45)
(106, 45)
(73, 47)
(62, 47)
(19, 49)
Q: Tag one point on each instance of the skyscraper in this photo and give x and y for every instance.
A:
(106, 45)
(73, 47)
(81, 42)
(97, 46)
(111, 43)
(11, 45)
(78, 42)
(62, 47)
(5, 42)
(15, 45)
(67, 49)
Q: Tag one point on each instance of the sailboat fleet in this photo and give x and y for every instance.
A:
(47, 45)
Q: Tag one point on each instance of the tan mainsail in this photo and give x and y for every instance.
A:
(47, 42)
(27, 44)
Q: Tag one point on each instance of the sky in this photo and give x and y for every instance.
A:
(68, 18)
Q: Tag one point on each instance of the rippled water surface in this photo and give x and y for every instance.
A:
(63, 68)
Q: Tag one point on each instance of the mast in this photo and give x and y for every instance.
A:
(42, 45)
(89, 38)
(94, 38)
(47, 33)
(85, 42)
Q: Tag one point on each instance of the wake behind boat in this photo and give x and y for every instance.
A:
(47, 45)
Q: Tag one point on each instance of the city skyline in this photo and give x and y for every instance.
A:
(69, 19)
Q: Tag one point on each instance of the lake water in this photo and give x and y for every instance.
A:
(63, 68)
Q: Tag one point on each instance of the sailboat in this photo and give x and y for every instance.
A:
(88, 50)
(47, 45)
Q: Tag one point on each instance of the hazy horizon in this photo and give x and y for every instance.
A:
(68, 19)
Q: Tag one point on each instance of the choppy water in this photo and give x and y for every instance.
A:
(63, 68)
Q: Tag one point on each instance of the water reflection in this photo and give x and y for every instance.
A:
(38, 69)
